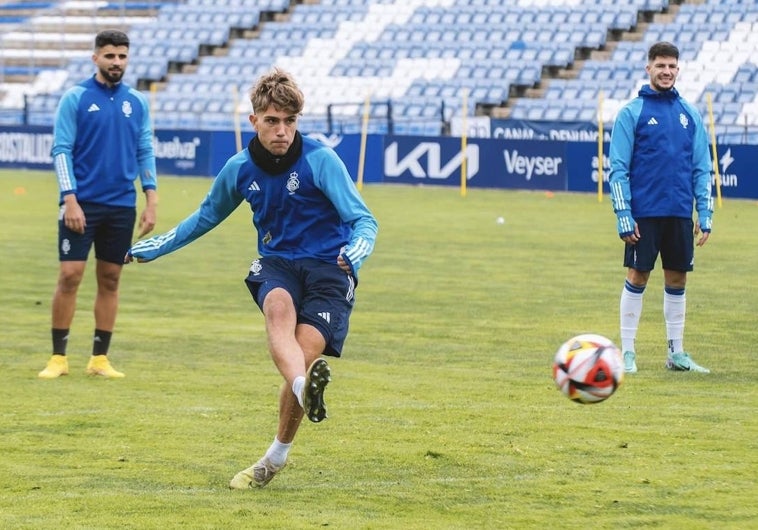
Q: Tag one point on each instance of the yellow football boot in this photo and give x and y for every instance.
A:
(56, 366)
(99, 365)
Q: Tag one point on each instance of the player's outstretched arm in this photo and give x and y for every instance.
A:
(222, 200)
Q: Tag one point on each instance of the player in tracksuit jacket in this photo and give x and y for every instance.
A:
(314, 233)
(102, 141)
(660, 165)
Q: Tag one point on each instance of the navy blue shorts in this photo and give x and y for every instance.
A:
(671, 237)
(109, 228)
(323, 294)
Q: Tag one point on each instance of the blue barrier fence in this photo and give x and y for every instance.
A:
(554, 165)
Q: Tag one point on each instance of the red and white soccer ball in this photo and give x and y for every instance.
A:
(588, 368)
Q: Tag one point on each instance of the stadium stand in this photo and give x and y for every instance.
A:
(417, 60)
(719, 43)
(40, 39)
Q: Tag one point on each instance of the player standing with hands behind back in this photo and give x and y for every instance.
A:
(314, 232)
(102, 140)
(660, 165)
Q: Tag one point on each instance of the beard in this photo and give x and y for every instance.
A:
(661, 85)
(112, 76)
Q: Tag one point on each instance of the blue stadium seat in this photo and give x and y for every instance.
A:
(575, 18)
(553, 113)
(554, 91)
(587, 114)
(534, 113)
(654, 5)
(570, 92)
(745, 73)
(729, 93)
(625, 20)
(591, 17)
(543, 17)
(498, 44)
(562, 57)
(559, 15)
(748, 90)
(529, 75)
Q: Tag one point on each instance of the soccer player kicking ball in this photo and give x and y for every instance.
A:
(314, 232)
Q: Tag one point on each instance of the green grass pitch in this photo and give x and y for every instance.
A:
(443, 414)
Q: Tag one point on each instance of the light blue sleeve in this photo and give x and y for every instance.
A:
(222, 199)
(145, 154)
(701, 171)
(331, 176)
(620, 154)
(64, 137)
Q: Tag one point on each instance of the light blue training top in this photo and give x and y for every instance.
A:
(102, 141)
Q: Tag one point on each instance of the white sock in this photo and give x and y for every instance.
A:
(277, 453)
(674, 309)
(297, 388)
(630, 311)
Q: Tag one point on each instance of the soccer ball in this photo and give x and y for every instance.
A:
(588, 368)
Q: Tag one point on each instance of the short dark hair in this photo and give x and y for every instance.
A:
(111, 37)
(662, 49)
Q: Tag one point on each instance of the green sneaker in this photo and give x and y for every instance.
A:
(630, 362)
(682, 362)
(316, 379)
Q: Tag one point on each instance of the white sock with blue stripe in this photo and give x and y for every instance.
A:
(674, 309)
(630, 310)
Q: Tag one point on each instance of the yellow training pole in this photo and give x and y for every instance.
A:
(713, 149)
(464, 158)
(153, 93)
(600, 146)
(236, 119)
(364, 135)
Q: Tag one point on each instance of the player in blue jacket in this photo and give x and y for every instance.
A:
(660, 166)
(314, 232)
(102, 141)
